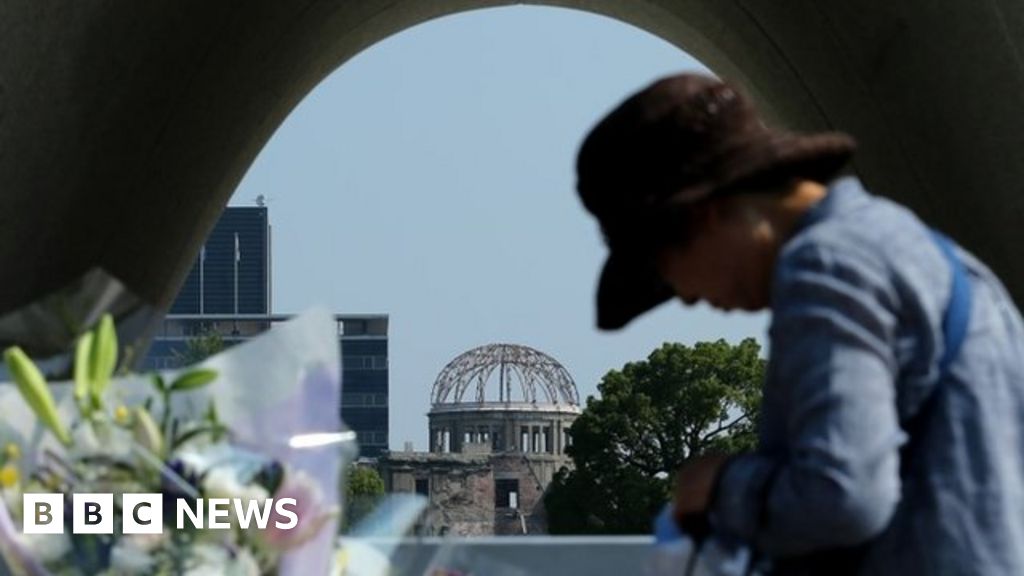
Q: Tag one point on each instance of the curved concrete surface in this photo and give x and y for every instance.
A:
(111, 112)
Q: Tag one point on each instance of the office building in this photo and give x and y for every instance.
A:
(227, 297)
(232, 273)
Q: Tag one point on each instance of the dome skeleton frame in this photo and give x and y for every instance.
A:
(532, 369)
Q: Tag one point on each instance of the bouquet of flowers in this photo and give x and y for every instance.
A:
(223, 491)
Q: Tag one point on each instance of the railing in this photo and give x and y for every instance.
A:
(510, 555)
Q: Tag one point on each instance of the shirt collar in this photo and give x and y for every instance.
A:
(844, 194)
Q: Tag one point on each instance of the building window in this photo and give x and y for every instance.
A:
(423, 486)
(506, 493)
(365, 362)
(355, 327)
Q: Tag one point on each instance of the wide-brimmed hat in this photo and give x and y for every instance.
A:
(678, 141)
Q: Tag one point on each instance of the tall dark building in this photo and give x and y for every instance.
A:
(206, 306)
(365, 396)
(233, 267)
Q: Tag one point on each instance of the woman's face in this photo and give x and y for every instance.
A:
(728, 261)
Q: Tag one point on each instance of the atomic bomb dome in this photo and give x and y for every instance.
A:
(503, 398)
(499, 425)
(505, 373)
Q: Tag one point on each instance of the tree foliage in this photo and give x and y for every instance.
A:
(199, 348)
(651, 416)
(363, 490)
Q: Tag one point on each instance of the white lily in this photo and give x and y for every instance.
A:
(224, 483)
(131, 555)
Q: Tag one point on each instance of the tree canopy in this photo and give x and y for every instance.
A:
(651, 416)
(363, 490)
(199, 348)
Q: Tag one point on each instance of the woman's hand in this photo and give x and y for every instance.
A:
(695, 483)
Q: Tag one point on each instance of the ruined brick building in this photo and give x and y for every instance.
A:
(499, 426)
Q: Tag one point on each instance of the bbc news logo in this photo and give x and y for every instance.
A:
(144, 513)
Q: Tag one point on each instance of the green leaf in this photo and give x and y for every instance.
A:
(35, 391)
(212, 430)
(193, 379)
(214, 419)
(211, 413)
(159, 384)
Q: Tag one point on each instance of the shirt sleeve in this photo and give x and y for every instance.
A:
(832, 373)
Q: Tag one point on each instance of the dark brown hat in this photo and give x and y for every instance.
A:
(682, 139)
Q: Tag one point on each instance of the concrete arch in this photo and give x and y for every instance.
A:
(111, 111)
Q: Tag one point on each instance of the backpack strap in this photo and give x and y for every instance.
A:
(954, 332)
(958, 311)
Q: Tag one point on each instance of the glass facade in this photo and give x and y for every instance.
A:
(363, 341)
(233, 269)
(364, 403)
(210, 287)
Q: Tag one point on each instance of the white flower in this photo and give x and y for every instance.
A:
(46, 548)
(217, 560)
(131, 556)
(147, 542)
(244, 565)
(100, 438)
(207, 560)
(198, 459)
(12, 497)
(194, 461)
(84, 441)
(224, 483)
(224, 460)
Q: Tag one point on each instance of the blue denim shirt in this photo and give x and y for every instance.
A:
(858, 299)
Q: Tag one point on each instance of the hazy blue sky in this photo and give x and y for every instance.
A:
(431, 178)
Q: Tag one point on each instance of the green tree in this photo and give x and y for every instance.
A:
(364, 488)
(651, 416)
(200, 348)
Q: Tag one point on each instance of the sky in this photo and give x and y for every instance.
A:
(431, 177)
